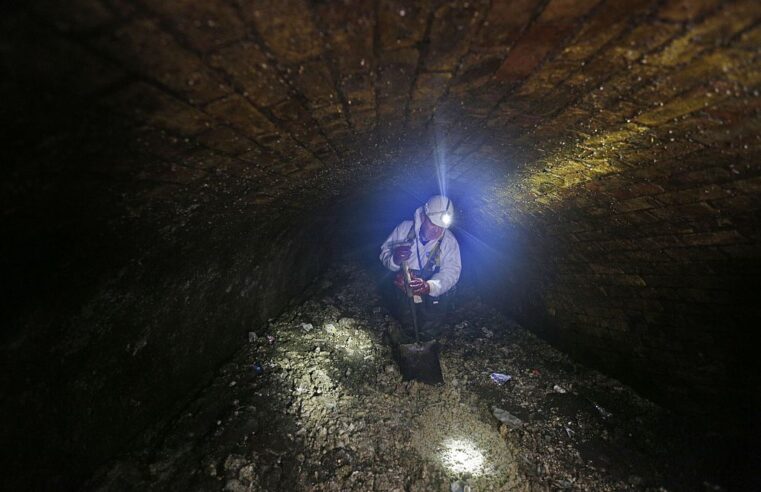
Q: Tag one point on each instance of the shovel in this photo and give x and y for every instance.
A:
(418, 361)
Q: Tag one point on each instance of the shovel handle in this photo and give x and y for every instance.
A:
(407, 279)
(410, 295)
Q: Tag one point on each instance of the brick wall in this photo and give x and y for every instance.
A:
(636, 178)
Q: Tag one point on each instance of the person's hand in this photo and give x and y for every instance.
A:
(399, 281)
(402, 253)
(420, 287)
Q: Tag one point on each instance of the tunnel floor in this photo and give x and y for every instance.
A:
(329, 411)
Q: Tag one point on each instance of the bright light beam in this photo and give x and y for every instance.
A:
(440, 162)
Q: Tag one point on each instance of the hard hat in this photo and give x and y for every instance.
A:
(440, 210)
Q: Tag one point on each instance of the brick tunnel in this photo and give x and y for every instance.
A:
(194, 196)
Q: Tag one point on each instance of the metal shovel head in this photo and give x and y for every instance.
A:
(420, 361)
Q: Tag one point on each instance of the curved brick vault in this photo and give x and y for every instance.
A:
(170, 167)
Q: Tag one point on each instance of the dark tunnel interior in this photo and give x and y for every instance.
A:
(183, 179)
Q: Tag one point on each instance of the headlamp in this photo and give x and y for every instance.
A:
(446, 219)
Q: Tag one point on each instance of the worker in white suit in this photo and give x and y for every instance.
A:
(433, 256)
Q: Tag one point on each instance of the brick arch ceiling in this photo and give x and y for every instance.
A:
(580, 97)
(641, 116)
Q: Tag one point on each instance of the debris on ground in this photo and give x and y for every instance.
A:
(507, 418)
(257, 368)
(327, 410)
(500, 378)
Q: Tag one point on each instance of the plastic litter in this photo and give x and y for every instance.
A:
(559, 389)
(500, 378)
(307, 327)
(270, 339)
(252, 337)
(257, 368)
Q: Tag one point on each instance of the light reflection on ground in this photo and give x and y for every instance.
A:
(462, 456)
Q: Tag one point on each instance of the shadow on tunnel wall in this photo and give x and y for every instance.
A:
(122, 291)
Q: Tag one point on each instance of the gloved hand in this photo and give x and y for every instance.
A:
(420, 287)
(402, 253)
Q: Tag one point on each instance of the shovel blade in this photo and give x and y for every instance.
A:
(420, 361)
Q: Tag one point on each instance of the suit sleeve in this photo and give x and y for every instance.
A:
(387, 253)
(449, 273)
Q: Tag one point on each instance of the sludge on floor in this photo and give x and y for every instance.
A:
(316, 403)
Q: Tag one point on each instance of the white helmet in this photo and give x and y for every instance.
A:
(440, 210)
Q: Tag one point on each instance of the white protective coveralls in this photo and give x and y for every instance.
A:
(444, 278)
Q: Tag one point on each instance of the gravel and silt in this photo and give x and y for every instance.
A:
(317, 403)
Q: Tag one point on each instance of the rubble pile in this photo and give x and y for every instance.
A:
(316, 402)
